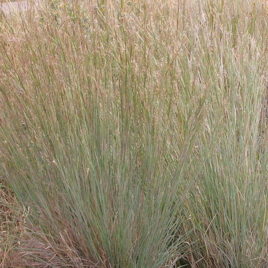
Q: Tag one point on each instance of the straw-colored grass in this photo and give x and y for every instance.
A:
(134, 134)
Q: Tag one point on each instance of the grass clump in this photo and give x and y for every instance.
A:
(136, 134)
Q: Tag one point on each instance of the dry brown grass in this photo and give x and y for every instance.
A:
(12, 225)
(22, 246)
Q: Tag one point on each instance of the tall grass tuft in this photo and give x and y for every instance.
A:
(135, 132)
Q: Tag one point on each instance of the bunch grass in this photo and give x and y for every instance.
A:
(135, 132)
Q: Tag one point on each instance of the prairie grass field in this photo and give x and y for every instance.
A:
(134, 134)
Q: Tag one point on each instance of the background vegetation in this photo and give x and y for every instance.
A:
(134, 134)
